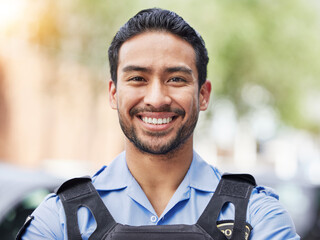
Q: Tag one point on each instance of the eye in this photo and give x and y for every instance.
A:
(136, 79)
(177, 79)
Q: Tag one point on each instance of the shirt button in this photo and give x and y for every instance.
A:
(153, 219)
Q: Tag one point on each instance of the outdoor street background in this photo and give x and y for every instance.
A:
(264, 115)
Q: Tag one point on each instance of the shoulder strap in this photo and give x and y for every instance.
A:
(78, 192)
(232, 188)
(24, 227)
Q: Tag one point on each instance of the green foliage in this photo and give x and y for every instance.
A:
(272, 44)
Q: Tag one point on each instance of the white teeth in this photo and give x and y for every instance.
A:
(157, 121)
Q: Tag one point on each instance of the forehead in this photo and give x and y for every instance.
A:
(157, 49)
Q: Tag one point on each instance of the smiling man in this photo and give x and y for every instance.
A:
(157, 92)
(159, 187)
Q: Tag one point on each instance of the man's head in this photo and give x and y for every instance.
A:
(156, 19)
(155, 87)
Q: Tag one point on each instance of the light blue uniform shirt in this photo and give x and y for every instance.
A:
(128, 204)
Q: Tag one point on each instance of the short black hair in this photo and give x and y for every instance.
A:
(161, 20)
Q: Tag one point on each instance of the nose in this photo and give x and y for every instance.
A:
(157, 94)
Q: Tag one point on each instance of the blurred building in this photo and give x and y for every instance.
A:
(54, 112)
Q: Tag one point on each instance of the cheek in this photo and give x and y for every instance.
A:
(186, 100)
(128, 98)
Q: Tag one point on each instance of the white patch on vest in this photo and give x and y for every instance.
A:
(226, 227)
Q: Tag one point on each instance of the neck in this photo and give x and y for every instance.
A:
(159, 175)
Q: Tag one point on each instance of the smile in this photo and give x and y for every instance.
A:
(156, 121)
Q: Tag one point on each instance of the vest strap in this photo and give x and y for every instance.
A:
(235, 189)
(79, 192)
(232, 188)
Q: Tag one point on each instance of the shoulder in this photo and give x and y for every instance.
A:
(263, 202)
(47, 220)
(268, 217)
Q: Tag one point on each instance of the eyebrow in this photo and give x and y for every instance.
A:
(179, 69)
(134, 68)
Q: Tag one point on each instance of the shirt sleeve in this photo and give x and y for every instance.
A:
(47, 222)
(269, 218)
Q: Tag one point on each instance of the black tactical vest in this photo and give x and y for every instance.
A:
(232, 188)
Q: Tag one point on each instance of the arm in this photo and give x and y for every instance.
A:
(46, 222)
(269, 218)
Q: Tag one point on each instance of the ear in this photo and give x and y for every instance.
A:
(112, 95)
(204, 95)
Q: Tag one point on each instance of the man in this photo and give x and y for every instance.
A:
(158, 68)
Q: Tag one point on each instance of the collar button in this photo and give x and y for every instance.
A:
(153, 219)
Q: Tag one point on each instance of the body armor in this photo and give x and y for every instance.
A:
(232, 188)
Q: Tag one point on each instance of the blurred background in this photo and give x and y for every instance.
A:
(264, 116)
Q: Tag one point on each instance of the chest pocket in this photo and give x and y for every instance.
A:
(232, 188)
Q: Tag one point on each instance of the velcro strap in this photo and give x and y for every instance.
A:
(79, 186)
(79, 192)
(235, 189)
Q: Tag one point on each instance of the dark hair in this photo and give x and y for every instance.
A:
(162, 20)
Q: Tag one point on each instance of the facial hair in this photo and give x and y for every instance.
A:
(155, 147)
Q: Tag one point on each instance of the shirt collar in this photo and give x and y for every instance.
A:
(113, 177)
(201, 175)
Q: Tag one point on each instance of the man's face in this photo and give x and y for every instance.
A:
(157, 94)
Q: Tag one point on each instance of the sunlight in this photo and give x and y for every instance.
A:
(10, 12)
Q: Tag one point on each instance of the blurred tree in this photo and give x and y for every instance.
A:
(270, 44)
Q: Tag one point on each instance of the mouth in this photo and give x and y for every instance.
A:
(156, 121)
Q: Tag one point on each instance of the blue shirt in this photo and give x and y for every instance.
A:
(128, 204)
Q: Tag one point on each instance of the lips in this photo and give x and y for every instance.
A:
(156, 121)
